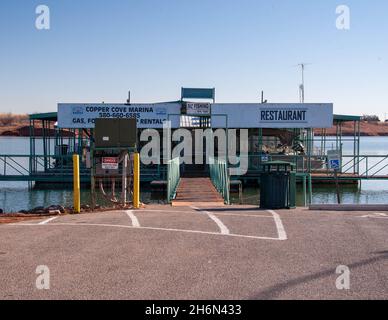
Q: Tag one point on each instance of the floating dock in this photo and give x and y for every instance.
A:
(305, 147)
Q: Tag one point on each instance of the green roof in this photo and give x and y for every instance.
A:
(344, 118)
(44, 116)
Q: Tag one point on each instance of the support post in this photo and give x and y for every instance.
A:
(310, 189)
(304, 190)
(292, 192)
(136, 181)
(92, 171)
(124, 180)
(337, 186)
(76, 184)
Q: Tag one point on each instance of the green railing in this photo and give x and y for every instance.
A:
(364, 166)
(367, 166)
(303, 163)
(173, 178)
(9, 164)
(19, 167)
(219, 175)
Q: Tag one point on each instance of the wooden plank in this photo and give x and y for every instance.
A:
(197, 191)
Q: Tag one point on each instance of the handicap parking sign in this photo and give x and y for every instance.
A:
(334, 164)
(334, 159)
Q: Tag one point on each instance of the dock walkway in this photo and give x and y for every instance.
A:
(197, 191)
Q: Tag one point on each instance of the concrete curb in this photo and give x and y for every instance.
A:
(349, 207)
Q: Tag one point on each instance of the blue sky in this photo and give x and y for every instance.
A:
(96, 50)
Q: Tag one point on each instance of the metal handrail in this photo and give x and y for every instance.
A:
(352, 159)
(378, 171)
(365, 158)
(10, 161)
(15, 163)
(173, 178)
(350, 163)
(18, 164)
(40, 160)
(219, 174)
(374, 166)
(10, 165)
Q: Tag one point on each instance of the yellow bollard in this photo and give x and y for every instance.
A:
(136, 181)
(76, 184)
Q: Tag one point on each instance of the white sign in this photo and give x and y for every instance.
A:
(198, 108)
(110, 163)
(334, 159)
(272, 115)
(73, 115)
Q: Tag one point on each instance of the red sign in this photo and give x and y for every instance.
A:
(110, 163)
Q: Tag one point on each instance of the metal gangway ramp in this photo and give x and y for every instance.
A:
(198, 191)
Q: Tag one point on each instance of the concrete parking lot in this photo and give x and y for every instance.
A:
(162, 252)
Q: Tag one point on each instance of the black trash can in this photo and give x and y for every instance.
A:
(277, 185)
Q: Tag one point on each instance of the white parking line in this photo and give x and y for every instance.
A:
(378, 215)
(151, 228)
(224, 231)
(135, 221)
(278, 222)
(279, 225)
(223, 228)
(219, 223)
(215, 213)
(47, 220)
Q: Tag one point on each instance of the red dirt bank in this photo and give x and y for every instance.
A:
(18, 126)
(371, 129)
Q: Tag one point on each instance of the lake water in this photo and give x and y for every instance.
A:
(15, 196)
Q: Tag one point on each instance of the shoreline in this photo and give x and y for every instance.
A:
(24, 131)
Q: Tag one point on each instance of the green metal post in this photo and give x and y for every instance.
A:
(260, 148)
(30, 159)
(341, 142)
(310, 189)
(354, 147)
(324, 142)
(358, 147)
(304, 191)
(292, 198)
(92, 171)
(44, 145)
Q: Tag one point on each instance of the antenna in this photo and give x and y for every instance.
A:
(301, 86)
(129, 97)
(262, 97)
